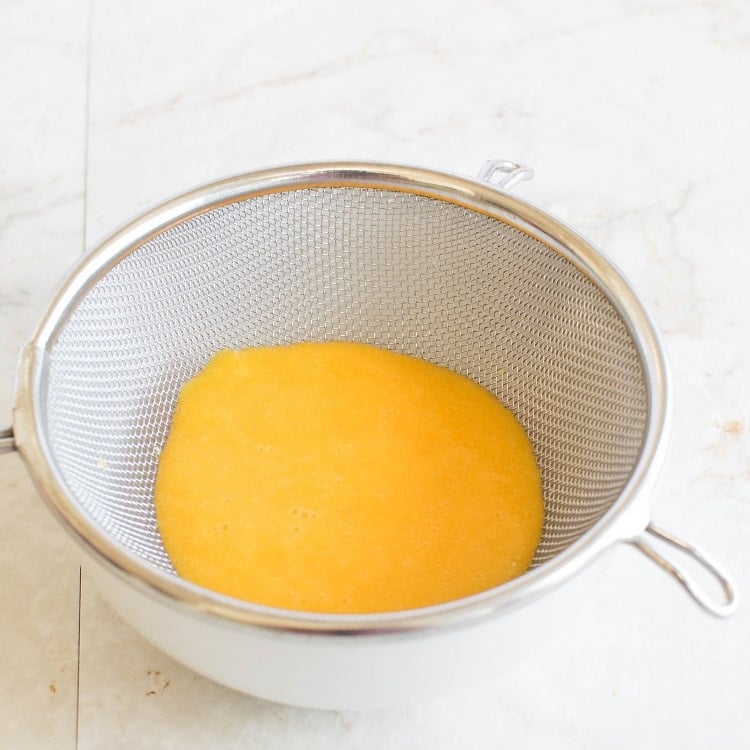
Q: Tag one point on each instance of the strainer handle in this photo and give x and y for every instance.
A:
(7, 444)
(504, 174)
(717, 608)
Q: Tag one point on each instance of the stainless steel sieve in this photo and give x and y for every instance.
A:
(451, 269)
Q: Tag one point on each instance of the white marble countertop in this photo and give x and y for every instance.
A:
(635, 115)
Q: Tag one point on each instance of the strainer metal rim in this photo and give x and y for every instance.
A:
(627, 517)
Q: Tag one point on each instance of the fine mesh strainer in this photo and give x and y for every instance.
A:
(453, 270)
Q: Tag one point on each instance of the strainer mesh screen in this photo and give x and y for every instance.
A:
(410, 273)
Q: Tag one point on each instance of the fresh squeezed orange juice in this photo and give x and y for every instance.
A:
(343, 478)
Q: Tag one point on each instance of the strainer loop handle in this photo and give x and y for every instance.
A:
(504, 174)
(717, 608)
(7, 444)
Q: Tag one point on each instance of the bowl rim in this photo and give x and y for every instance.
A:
(627, 516)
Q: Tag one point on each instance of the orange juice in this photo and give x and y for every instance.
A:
(343, 478)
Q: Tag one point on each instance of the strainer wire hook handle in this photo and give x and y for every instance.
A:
(504, 174)
(717, 608)
(7, 444)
